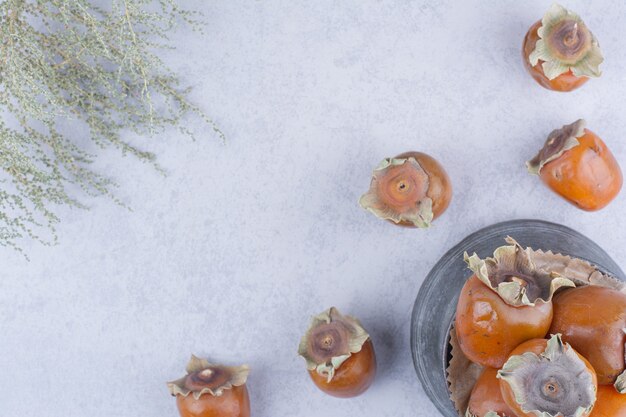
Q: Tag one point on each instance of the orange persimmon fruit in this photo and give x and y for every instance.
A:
(548, 377)
(560, 52)
(610, 403)
(339, 354)
(486, 396)
(210, 390)
(412, 190)
(488, 328)
(592, 319)
(577, 165)
(233, 403)
(506, 302)
(353, 377)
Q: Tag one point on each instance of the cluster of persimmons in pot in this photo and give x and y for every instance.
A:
(548, 338)
(548, 333)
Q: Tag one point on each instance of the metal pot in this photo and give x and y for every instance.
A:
(436, 301)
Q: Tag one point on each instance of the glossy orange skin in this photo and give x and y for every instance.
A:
(486, 396)
(439, 187)
(233, 402)
(587, 175)
(536, 346)
(610, 403)
(591, 319)
(488, 329)
(353, 377)
(564, 82)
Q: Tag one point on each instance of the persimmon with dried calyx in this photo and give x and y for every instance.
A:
(560, 52)
(592, 319)
(506, 302)
(411, 190)
(548, 378)
(576, 164)
(610, 403)
(339, 354)
(486, 397)
(210, 390)
(488, 328)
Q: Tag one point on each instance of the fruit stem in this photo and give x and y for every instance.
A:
(206, 373)
(327, 341)
(572, 37)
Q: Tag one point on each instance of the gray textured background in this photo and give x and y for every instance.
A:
(230, 255)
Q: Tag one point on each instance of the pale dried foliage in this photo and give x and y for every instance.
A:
(72, 63)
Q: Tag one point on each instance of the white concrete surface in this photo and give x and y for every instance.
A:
(229, 255)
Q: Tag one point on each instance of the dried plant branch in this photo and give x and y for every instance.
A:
(71, 61)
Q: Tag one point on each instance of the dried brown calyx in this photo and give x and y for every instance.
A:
(330, 340)
(398, 192)
(556, 382)
(513, 274)
(620, 383)
(489, 414)
(565, 43)
(461, 374)
(207, 378)
(558, 142)
(577, 270)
